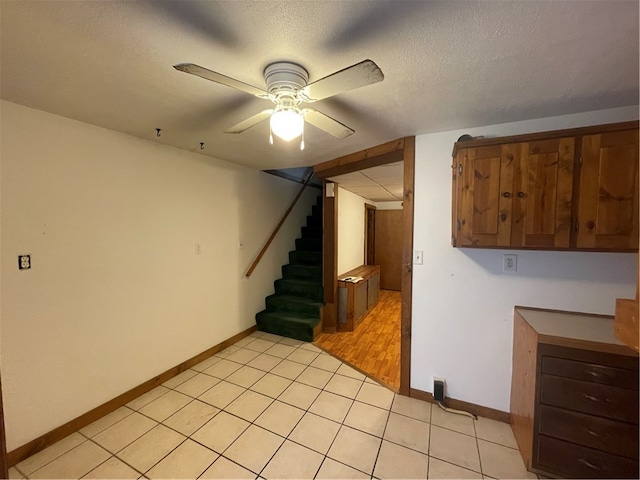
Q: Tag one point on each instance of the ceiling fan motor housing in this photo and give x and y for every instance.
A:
(284, 79)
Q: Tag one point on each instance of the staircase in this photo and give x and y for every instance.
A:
(294, 310)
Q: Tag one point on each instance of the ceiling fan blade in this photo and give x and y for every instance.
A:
(249, 122)
(326, 123)
(219, 78)
(355, 76)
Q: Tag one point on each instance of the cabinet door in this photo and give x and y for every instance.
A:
(484, 194)
(608, 208)
(542, 191)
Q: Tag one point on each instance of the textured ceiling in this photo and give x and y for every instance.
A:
(447, 65)
(379, 184)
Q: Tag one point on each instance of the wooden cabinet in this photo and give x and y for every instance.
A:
(609, 191)
(355, 300)
(574, 396)
(571, 189)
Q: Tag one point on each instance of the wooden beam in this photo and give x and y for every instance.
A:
(383, 154)
(407, 264)
(330, 258)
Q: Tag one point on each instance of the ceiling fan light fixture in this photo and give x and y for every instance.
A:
(287, 124)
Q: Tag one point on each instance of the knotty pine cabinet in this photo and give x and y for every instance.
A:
(356, 300)
(574, 396)
(564, 190)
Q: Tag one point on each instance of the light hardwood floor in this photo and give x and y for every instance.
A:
(374, 347)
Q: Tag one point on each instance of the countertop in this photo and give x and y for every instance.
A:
(594, 332)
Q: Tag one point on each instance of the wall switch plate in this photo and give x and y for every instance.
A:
(417, 257)
(330, 189)
(510, 263)
(24, 262)
(439, 389)
(198, 249)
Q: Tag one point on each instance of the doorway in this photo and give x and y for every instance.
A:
(401, 150)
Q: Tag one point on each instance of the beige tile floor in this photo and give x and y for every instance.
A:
(272, 407)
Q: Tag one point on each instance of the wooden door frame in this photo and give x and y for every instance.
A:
(4, 466)
(369, 247)
(403, 150)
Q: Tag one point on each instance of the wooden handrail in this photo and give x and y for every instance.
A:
(275, 231)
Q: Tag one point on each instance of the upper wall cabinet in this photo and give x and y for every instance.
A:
(564, 190)
(609, 191)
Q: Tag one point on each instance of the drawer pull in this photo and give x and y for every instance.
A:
(590, 397)
(588, 464)
(591, 432)
(592, 373)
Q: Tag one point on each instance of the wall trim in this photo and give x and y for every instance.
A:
(49, 438)
(479, 410)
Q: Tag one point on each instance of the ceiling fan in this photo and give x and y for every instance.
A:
(288, 87)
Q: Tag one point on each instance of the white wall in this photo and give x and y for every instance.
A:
(396, 205)
(116, 294)
(350, 230)
(462, 302)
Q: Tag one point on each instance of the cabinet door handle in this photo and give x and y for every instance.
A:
(591, 397)
(588, 464)
(520, 194)
(506, 194)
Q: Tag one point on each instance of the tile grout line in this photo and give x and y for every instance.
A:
(307, 365)
(273, 400)
(192, 399)
(295, 406)
(338, 432)
(52, 460)
(478, 447)
(297, 423)
(113, 455)
(429, 445)
(382, 438)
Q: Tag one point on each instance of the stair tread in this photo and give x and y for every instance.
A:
(300, 281)
(289, 316)
(295, 299)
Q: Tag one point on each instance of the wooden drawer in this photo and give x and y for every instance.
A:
(596, 432)
(575, 461)
(593, 398)
(590, 372)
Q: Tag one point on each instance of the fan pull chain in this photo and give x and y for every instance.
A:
(302, 139)
(270, 134)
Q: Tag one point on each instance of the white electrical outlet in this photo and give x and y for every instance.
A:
(198, 249)
(24, 262)
(510, 263)
(417, 257)
(439, 389)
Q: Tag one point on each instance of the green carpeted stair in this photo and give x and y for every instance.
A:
(294, 310)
